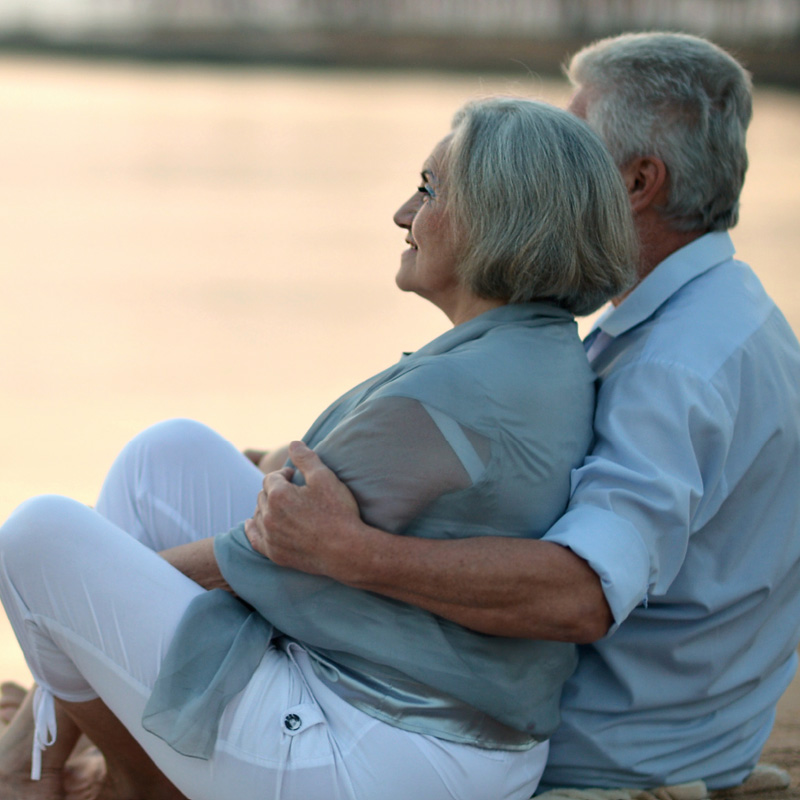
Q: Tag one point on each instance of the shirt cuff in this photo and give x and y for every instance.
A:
(613, 549)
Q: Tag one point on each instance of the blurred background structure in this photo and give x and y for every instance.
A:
(452, 34)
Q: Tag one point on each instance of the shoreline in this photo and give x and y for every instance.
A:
(773, 63)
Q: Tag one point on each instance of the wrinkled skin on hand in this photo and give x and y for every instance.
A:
(310, 528)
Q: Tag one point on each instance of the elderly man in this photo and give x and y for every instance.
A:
(677, 563)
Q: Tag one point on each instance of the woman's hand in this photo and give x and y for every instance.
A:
(310, 528)
(196, 560)
(268, 460)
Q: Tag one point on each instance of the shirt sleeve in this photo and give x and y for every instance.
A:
(653, 476)
(396, 463)
(398, 455)
(398, 458)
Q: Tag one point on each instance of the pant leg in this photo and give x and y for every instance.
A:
(95, 611)
(179, 481)
(65, 571)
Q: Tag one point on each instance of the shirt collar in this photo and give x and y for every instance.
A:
(668, 277)
(534, 314)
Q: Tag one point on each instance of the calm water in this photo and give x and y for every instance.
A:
(219, 245)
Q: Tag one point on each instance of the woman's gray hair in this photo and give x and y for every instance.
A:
(539, 206)
(679, 98)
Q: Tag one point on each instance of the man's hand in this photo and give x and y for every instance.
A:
(501, 586)
(310, 528)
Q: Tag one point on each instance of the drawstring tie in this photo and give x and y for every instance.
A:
(44, 731)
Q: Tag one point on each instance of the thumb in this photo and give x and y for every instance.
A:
(305, 459)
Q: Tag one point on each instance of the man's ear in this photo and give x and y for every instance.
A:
(647, 182)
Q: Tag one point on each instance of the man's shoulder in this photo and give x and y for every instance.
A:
(706, 323)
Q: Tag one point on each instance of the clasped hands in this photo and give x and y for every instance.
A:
(308, 528)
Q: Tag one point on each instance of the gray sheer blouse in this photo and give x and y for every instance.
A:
(475, 434)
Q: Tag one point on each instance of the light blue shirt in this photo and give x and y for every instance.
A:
(688, 508)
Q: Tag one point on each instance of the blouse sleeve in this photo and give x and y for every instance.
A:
(397, 455)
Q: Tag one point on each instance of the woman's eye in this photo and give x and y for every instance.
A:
(426, 189)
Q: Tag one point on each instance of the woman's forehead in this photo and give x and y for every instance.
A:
(433, 163)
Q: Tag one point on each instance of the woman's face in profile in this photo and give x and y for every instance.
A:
(428, 267)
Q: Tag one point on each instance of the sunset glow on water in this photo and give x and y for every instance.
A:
(218, 244)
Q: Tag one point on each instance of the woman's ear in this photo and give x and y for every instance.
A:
(647, 182)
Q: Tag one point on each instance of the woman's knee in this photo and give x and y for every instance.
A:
(160, 452)
(44, 526)
(172, 440)
(178, 481)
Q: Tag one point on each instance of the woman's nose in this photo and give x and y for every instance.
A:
(404, 215)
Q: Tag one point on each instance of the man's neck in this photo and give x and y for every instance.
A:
(657, 241)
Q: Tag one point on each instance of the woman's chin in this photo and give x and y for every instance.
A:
(403, 281)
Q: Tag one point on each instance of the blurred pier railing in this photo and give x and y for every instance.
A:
(452, 34)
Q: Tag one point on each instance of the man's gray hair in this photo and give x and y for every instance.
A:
(540, 206)
(679, 98)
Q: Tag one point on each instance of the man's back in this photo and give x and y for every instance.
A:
(689, 503)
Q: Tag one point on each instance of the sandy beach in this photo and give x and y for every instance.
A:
(218, 244)
(783, 746)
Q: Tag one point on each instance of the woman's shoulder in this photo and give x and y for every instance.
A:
(508, 364)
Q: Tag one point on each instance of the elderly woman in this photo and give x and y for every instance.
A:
(291, 685)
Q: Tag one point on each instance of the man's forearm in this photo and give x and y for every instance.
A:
(522, 588)
(501, 586)
(196, 560)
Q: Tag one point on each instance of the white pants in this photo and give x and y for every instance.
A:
(95, 610)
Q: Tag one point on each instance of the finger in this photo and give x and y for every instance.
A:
(306, 460)
(278, 478)
(251, 532)
(254, 455)
(256, 532)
